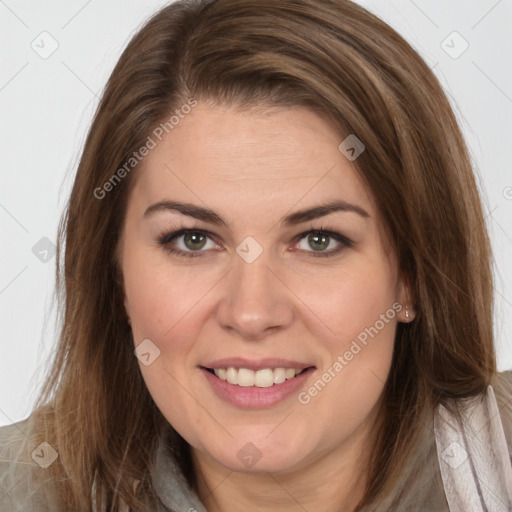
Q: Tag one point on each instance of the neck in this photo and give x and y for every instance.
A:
(331, 482)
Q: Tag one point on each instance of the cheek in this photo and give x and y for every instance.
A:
(351, 299)
(161, 297)
(164, 305)
(358, 310)
(348, 386)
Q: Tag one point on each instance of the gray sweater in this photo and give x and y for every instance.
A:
(456, 468)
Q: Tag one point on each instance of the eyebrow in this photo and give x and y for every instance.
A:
(208, 215)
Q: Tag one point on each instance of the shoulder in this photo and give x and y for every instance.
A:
(503, 391)
(24, 475)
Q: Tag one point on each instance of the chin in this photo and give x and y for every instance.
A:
(244, 456)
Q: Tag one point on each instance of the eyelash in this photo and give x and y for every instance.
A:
(165, 238)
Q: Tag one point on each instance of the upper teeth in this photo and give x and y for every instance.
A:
(260, 378)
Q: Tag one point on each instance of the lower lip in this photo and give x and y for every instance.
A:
(254, 397)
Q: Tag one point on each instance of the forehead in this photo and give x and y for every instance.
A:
(274, 158)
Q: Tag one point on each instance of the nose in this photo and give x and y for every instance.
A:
(255, 301)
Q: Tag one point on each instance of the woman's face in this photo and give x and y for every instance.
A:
(267, 282)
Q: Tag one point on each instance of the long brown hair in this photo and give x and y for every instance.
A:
(343, 62)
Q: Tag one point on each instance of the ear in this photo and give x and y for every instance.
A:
(406, 300)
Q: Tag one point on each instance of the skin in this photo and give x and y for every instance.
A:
(253, 168)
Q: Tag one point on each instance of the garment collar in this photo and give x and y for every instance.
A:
(170, 484)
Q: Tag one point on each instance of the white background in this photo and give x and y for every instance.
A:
(46, 106)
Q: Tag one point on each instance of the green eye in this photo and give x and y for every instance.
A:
(194, 240)
(187, 242)
(318, 242)
(191, 243)
(321, 240)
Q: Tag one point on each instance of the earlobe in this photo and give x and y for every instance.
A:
(407, 313)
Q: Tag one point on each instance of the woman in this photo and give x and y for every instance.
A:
(276, 282)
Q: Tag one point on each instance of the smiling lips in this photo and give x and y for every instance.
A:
(263, 378)
(264, 373)
(251, 384)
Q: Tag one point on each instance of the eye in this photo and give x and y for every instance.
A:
(320, 241)
(188, 242)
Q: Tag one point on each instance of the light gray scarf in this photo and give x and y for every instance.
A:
(457, 466)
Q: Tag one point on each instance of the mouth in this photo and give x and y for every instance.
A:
(263, 378)
(251, 385)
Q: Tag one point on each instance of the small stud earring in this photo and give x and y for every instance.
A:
(406, 312)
